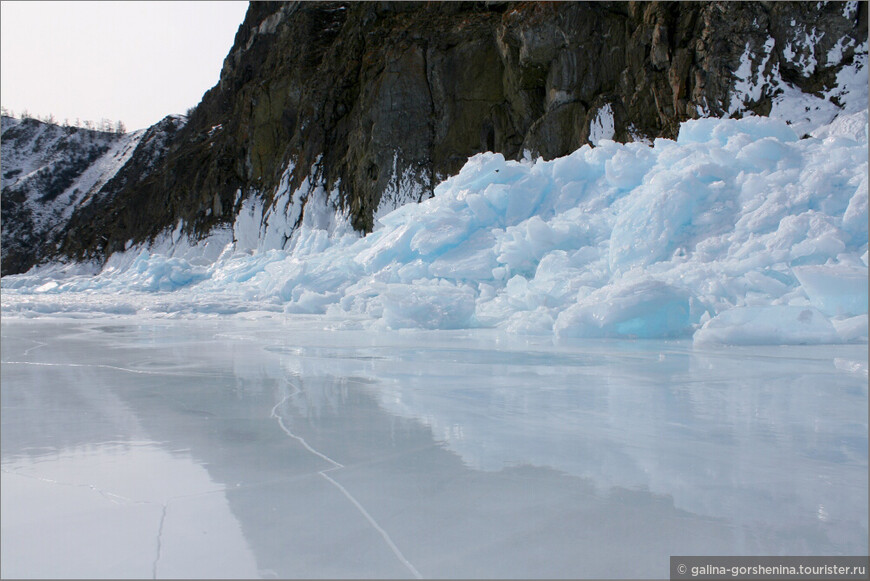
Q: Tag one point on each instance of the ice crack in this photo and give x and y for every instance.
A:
(111, 497)
(159, 542)
(37, 346)
(98, 365)
(338, 466)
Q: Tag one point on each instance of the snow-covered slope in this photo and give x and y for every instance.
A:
(738, 232)
(48, 172)
(804, 111)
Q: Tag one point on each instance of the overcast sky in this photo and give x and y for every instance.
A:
(131, 61)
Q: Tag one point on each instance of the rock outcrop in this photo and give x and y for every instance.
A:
(375, 102)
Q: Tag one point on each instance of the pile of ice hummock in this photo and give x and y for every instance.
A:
(739, 232)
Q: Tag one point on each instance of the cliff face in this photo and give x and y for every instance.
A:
(370, 104)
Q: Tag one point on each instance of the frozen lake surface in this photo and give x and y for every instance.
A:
(275, 448)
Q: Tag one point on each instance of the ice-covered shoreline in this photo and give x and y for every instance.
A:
(739, 232)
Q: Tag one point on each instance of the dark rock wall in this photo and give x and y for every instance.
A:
(365, 98)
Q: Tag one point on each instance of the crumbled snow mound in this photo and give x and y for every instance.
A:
(739, 232)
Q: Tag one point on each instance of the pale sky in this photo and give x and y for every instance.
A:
(131, 61)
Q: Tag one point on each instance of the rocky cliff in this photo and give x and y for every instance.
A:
(366, 106)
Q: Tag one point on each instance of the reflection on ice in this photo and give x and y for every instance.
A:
(253, 448)
(714, 431)
(122, 509)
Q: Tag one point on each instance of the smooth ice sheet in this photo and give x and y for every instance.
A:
(134, 447)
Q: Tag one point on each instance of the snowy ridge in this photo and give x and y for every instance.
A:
(47, 145)
(738, 232)
(100, 172)
(48, 173)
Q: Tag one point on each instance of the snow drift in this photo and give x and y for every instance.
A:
(738, 232)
